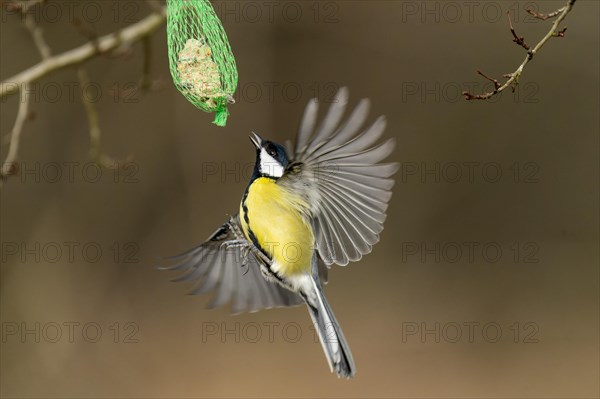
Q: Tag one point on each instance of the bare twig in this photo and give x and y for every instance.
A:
(513, 78)
(21, 83)
(38, 36)
(9, 167)
(494, 81)
(91, 114)
(96, 154)
(83, 53)
(520, 40)
(544, 17)
(154, 5)
(146, 79)
(560, 33)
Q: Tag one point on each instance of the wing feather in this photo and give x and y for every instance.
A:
(352, 125)
(367, 221)
(354, 144)
(216, 266)
(331, 121)
(342, 174)
(352, 241)
(373, 219)
(307, 125)
(227, 279)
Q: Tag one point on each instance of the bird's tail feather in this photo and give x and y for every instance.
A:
(330, 334)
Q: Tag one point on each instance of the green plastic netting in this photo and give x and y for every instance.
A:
(200, 58)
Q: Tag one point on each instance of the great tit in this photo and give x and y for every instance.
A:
(320, 201)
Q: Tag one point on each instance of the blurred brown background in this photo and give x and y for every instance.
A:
(533, 311)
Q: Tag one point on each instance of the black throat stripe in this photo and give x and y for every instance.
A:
(247, 220)
(253, 236)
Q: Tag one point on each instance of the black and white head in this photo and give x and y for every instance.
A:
(271, 158)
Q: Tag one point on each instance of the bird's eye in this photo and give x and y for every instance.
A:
(271, 151)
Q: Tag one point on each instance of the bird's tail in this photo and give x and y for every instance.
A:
(332, 339)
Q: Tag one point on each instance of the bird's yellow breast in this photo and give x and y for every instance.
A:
(273, 217)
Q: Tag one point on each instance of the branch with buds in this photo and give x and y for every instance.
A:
(109, 44)
(513, 78)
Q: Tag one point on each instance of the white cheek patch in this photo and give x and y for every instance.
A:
(269, 166)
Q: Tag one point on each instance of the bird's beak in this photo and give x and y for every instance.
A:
(256, 140)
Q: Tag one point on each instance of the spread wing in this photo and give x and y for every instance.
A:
(223, 266)
(339, 167)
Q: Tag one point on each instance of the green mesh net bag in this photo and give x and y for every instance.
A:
(200, 58)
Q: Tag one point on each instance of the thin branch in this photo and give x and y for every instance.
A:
(146, 81)
(561, 33)
(21, 82)
(520, 40)
(494, 81)
(83, 53)
(37, 35)
(96, 154)
(513, 78)
(544, 17)
(9, 167)
(154, 5)
(91, 114)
